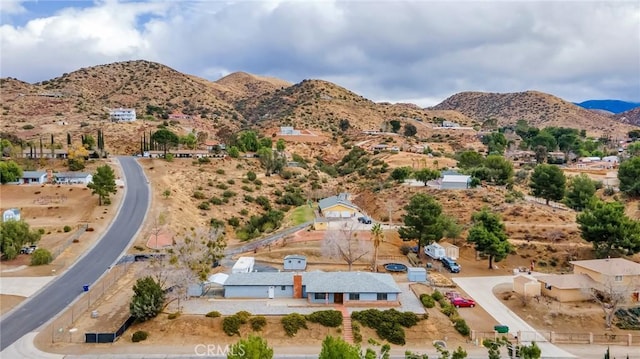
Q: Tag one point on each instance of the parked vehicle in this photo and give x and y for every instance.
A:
(435, 251)
(452, 295)
(28, 250)
(450, 264)
(463, 302)
(364, 219)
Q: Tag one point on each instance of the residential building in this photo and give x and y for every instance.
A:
(455, 182)
(73, 177)
(446, 123)
(34, 153)
(289, 131)
(337, 206)
(122, 114)
(33, 177)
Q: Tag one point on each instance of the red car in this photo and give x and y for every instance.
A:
(463, 302)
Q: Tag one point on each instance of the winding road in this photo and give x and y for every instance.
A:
(62, 291)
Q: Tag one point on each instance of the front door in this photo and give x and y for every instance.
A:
(272, 292)
(337, 298)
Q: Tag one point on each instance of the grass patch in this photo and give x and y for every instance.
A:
(301, 214)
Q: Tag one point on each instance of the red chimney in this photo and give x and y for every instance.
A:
(297, 286)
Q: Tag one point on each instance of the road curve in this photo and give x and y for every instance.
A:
(66, 288)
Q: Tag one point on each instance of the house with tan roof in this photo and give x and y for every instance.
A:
(598, 274)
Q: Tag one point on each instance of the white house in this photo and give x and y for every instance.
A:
(12, 214)
(33, 177)
(73, 177)
(122, 114)
(455, 182)
(289, 131)
(612, 159)
(446, 123)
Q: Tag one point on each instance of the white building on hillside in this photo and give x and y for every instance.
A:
(122, 114)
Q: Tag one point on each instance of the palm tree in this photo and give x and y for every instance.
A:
(376, 235)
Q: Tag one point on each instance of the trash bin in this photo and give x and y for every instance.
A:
(502, 329)
(85, 287)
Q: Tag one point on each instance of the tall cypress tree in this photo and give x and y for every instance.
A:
(41, 147)
(53, 151)
(68, 139)
(141, 146)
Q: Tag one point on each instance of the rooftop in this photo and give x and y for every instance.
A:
(456, 178)
(72, 174)
(610, 266)
(334, 200)
(295, 256)
(567, 281)
(260, 278)
(33, 174)
(349, 282)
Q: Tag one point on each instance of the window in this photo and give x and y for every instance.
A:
(283, 288)
(618, 278)
(354, 296)
(299, 261)
(320, 295)
(382, 296)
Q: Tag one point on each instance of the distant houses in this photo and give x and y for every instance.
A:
(122, 114)
(289, 131)
(41, 177)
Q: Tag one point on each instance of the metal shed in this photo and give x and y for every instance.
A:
(417, 274)
(455, 182)
(295, 262)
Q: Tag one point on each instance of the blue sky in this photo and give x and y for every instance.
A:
(420, 51)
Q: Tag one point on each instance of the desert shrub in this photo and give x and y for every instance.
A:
(213, 314)
(388, 324)
(427, 301)
(392, 332)
(247, 188)
(243, 315)
(198, 195)
(264, 202)
(173, 316)
(251, 176)
(228, 194)
(216, 223)
(41, 256)
(357, 336)
(448, 310)
(41, 231)
(27, 127)
(462, 327)
(437, 296)
(257, 182)
(220, 171)
(66, 229)
(204, 206)
(233, 221)
(248, 198)
(215, 201)
(609, 191)
(231, 325)
(139, 336)
(244, 212)
(231, 181)
(222, 186)
(258, 322)
(203, 160)
(328, 318)
(293, 322)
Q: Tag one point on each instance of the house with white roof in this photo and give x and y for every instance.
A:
(73, 177)
(455, 182)
(122, 114)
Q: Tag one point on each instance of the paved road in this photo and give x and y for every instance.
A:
(62, 291)
(481, 290)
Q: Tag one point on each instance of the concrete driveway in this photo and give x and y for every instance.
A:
(481, 290)
(23, 286)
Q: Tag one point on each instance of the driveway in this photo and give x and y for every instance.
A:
(23, 286)
(481, 290)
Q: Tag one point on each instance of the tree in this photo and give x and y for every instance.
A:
(280, 145)
(344, 124)
(498, 170)
(103, 183)
(401, 173)
(41, 256)
(634, 134)
(493, 346)
(425, 175)
(76, 156)
(5, 148)
(423, 220)
(608, 228)
(629, 176)
(376, 236)
(14, 235)
(410, 130)
(247, 141)
(189, 141)
(395, 126)
(452, 229)
(634, 149)
(470, 159)
(234, 152)
(496, 143)
(9, 172)
(148, 299)
(580, 191)
(254, 347)
(165, 138)
(344, 244)
(531, 351)
(88, 142)
(488, 235)
(548, 182)
(541, 154)
(337, 348)
(544, 139)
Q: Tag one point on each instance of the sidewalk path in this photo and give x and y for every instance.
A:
(481, 290)
(23, 286)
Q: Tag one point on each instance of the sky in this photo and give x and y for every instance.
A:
(416, 51)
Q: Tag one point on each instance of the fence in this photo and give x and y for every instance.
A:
(561, 338)
(109, 337)
(67, 243)
(61, 328)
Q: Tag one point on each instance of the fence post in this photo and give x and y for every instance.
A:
(629, 340)
(518, 336)
(552, 337)
(590, 338)
(473, 334)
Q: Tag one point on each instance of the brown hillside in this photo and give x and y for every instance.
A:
(243, 85)
(631, 117)
(538, 108)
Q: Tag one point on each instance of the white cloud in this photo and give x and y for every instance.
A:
(11, 7)
(395, 51)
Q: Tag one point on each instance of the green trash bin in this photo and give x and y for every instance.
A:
(502, 329)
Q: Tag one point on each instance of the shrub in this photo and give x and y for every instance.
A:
(437, 296)
(213, 314)
(139, 336)
(66, 229)
(215, 200)
(198, 195)
(233, 221)
(228, 194)
(41, 256)
(328, 318)
(222, 186)
(173, 316)
(202, 160)
(204, 206)
(231, 181)
(257, 182)
(405, 249)
(258, 322)
(427, 301)
(27, 127)
(231, 325)
(388, 324)
(243, 315)
(220, 171)
(462, 327)
(357, 336)
(251, 176)
(293, 322)
(448, 310)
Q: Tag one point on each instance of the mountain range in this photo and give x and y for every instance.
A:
(612, 106)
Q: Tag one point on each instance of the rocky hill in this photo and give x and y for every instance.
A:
(631, 117)
(538, 108)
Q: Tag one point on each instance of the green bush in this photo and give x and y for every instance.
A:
(215, 200)
(220, 171)
(244, 316)
(213, 314)
(66, 229)
(198, 195)
(437, 296)
(139, 336)
(231, 325)
(41, 256)
(448, 310)
(258, 322)
(462, 327)
(251, 176)
(293, 322)
(204, 206)
(357, 336)
(173, 316)
(427, 301)
(328, 318)
(388, 324)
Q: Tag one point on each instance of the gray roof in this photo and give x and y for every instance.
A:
(33, 174)
(260, 278)
(72, 174)
(332, 201)
(349, 282)
(295, 256)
